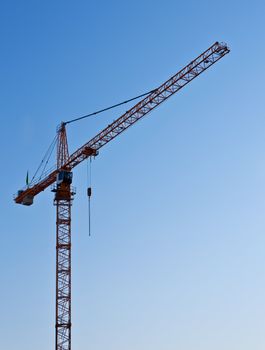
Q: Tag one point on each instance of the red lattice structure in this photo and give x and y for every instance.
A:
(61, 177)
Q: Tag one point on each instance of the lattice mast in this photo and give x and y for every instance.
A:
(63, 201)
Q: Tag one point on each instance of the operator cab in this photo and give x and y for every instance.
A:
(64, 176)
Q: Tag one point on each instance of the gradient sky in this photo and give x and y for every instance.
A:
(176, 257)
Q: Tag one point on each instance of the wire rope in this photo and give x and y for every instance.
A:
(47, 154)
(108, 108)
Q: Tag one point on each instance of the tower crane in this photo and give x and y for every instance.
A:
(60, 177)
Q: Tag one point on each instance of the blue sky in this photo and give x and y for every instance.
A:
(176, 257)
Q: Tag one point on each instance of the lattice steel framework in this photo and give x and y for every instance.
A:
(63, 273)
(63, 201)
(200, 64)
(64, 192)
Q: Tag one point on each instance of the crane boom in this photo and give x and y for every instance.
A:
(213, 54)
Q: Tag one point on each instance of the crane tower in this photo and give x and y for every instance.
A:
(60, 178)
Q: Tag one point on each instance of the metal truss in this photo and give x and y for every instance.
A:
(61, 175)
(141, 109)
(63, 272)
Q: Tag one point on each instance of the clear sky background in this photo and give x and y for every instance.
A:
(176, 257)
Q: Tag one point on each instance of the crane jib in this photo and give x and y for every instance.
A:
(210, 56)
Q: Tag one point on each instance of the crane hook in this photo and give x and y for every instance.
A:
(89, 193)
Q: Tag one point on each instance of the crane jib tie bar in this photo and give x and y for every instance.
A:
(108, 108)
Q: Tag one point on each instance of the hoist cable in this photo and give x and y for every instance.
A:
(89, 218)
(89, 192)
(49, 151)
(108, 108)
